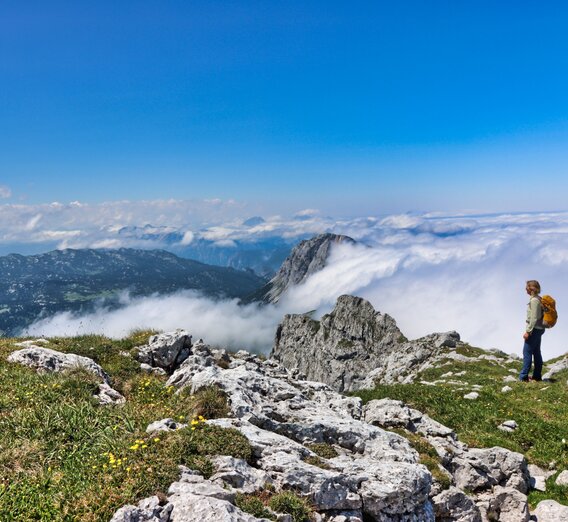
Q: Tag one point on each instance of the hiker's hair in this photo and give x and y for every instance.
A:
(533, 286)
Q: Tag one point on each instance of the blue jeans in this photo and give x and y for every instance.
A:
(531, 349)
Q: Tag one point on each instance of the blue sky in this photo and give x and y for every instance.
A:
(349, 107)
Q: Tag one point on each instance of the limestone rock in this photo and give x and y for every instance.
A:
(238, 474)
(342, 348)
(376, 472)
(306, 258)
(395, 414)
(164, 425)
(562, 479)
(506, 389)
(45, 360)
(453, 505)
(508, 425)
(166, 350)
(555, 368)
(504, 505)
(550, 511)
(482, 468)
(471, 396)
(108, 395)
(148, 510)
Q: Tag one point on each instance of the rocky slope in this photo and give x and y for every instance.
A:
(370, 471)
(375, 474)
(306, 258)
(355, 347)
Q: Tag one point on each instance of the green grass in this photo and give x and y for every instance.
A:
(540, 409)
(63, 457)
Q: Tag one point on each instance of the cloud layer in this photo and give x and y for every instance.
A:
(430, 272)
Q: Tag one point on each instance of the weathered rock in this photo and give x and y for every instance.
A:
(562, 478)
(471, 396)
(166, 350)
(508, 425)
(453, 505)
(395, 414)
(342, 348)
(149, 369)
(148, 510)
(504, 505)
(378, 471)
(510, 378)
(538, 477)
(108, 395)
(238, 474)
(45, 360)
(555, 368)
(192, 508)
(550, 511)
(306, 258)
(376, 474)
(506, 389)
(164, 425)
(480, 469)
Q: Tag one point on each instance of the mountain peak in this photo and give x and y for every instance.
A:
(307, 257)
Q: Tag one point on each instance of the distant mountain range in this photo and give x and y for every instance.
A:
(74, 280)
(264, 255)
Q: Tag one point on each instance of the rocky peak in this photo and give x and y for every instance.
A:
(308, 257)
(353, 344)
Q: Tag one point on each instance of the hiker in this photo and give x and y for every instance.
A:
(533, 334)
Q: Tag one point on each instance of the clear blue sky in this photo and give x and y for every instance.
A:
(347, 106)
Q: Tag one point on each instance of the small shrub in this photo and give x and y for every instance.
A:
(326, 451)
(316, 461)
(291, 504)
(211, 403)
(214, 440)
(254, 505)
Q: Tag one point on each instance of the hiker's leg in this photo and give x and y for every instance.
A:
(527, 361)
(537, 373)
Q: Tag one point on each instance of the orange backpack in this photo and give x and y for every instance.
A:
(549, 308)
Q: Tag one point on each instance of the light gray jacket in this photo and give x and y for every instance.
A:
(534, 315)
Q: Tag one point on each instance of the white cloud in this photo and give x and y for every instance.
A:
(430, 272)
(223, 323)
(5, 192)
(187, 238)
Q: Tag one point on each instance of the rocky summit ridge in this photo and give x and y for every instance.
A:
(354, 347)
(369, 472)
(307, 257)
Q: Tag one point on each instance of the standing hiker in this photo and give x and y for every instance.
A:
(533, 334)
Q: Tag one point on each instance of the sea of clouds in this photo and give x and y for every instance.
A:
(431, 272)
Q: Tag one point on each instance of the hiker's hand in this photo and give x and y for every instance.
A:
(526, 335)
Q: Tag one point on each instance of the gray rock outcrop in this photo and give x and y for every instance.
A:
(306, 258)
(555, 368)
(480, 471)
(550, 511)
(375, 474)
(166, 350)
(355, 346)
(453, 505)
(45, 360)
